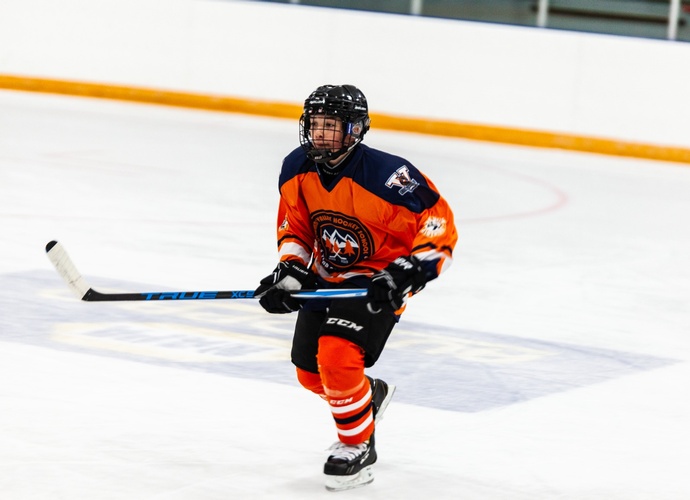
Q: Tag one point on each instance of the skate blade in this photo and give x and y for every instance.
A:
(384, 404)
(341, 483)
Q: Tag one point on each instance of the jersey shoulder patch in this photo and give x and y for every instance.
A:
(394, 179)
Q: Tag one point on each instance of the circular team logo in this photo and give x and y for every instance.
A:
(434, 226)
(343, 241)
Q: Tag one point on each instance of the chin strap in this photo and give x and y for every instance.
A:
(323, 156)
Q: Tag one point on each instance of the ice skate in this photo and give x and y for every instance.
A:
(381, 395)
(350, 466)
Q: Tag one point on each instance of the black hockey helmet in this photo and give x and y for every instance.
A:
(346, 102)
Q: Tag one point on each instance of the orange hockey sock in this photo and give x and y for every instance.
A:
(341, 366)
(311, 381)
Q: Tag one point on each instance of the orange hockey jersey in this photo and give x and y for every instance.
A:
(378, 208)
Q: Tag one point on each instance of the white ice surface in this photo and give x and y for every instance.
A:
(559, 339)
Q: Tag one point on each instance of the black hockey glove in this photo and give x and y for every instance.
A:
(274, 290)
(389, 288)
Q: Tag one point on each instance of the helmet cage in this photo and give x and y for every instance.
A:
(344, 102)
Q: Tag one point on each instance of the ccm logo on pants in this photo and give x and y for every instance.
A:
(344, 322)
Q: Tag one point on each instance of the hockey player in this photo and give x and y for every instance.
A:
(351, 216)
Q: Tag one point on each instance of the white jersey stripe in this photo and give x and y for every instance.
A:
(294, 249)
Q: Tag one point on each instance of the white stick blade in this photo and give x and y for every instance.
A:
(65, 268)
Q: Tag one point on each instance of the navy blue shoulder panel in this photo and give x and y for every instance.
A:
(295, 163)
(392, 178)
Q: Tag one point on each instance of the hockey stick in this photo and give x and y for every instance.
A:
(66, 268)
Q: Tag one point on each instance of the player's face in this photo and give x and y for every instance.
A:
(326, 132)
